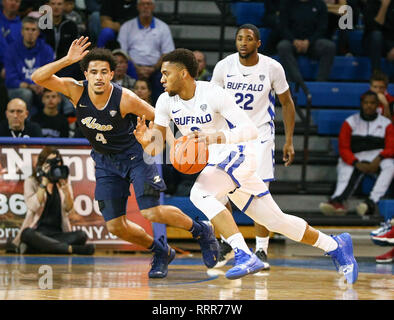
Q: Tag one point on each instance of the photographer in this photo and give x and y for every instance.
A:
(49, 199)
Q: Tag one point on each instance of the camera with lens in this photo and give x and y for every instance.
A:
(56, 171)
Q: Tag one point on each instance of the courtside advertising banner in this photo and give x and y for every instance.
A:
(16, 164)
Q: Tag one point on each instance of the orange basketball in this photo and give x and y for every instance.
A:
(189, 156)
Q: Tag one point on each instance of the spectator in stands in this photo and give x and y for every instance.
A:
(71, 14)
(366, 146)
(53, 124)
(16, 125)
(3, 99)
(120, 76)
(333, 17)
(10, 22)
(146, 38)
(21, 59)
(49, 200)
(10, 28)
(143, 90)
(271, 21)
(378, 36)
(378, 84)
(303, 25)
(60, 37)
(3, 48)
(112, 15)
(202, 74)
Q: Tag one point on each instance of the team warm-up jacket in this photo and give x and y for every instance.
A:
(358, 136)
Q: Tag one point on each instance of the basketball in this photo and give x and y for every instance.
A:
(189, 156)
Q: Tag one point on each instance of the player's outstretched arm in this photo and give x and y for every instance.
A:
(45, 76)
(151, 138)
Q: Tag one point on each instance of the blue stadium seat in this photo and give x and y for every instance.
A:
(386, 208)
(264, 34)
(248, 12)
(329, 122)
(356, 42)
(334, 145)
(351, 68)
(343, 68)
(334, 94)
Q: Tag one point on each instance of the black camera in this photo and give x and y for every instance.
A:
(56, 171)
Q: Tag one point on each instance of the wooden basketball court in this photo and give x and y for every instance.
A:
(298, 272)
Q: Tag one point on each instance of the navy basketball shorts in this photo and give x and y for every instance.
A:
(114, 174)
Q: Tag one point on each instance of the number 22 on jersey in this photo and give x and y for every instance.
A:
(244, 100)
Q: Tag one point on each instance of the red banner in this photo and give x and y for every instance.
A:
(17, 163)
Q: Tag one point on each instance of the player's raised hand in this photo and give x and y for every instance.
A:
(78, 49)
(142, 133)
(288, 154)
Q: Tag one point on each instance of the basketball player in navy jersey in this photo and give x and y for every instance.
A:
(104, 112)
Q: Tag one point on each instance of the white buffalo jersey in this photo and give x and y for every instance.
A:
(253, 87)
(208, 111)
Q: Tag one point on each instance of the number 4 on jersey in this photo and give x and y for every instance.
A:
(100, 137)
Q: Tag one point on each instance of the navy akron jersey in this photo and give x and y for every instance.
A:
(105, 129)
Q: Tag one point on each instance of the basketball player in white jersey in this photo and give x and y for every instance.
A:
(254, 79)
(201, 110)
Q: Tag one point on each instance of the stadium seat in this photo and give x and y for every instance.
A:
(351, 68)
(329, 122)
(264, 34)
(343, 69)
(356, 42)
(248, 12)
(334, 94)
(386, 208)
(334, 145)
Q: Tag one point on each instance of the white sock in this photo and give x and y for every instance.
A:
(325, 242)
(262, 243)
(237, 241)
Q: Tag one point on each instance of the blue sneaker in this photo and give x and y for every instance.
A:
(162, 257)
(209, 244)
(343, 257)
(244, 264)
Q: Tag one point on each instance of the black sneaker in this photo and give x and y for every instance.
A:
(163, 254)
(10, 247)
(263, 257)
(225, 254)
(209, 245)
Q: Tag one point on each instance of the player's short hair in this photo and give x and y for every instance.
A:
(184, 57)
(379, 76)
(100, 54)
(251, 27)
(369, 93)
